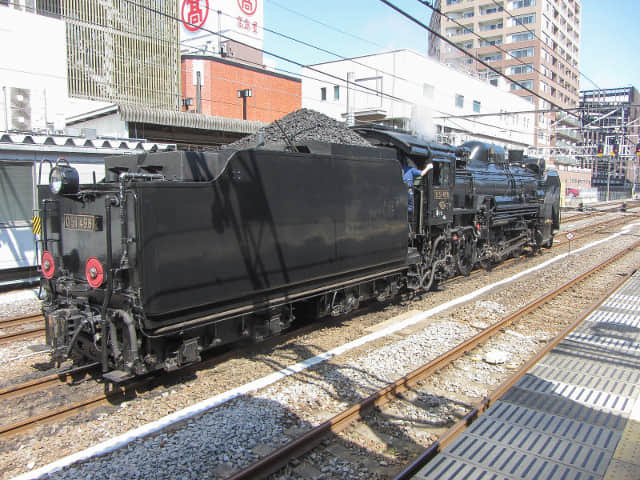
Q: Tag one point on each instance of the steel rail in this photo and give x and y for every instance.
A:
(593, 229)
(22, 335)
(44, 382)
(119, 392)
(13, 322)
(279, 458)
(336, 424)
(440, 444)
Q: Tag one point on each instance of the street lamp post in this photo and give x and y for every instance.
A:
(244, 94)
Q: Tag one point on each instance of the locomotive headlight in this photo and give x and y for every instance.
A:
(63, 180)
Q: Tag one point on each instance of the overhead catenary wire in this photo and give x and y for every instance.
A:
(272, 54)
(294, 62)
(139, 88)
(485, 39)
(357, 87)
(331, 27)
(482, 62)
(352, 60)
(542, 41)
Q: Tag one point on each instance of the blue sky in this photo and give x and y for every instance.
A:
(609, 48)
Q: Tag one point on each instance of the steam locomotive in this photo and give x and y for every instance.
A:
(174, 253)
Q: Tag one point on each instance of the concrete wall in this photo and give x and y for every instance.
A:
(33, 57)
(420, 85)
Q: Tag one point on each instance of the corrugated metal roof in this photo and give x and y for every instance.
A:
(132, 113)
(38, 140)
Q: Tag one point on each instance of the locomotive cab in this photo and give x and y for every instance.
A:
(440, 184)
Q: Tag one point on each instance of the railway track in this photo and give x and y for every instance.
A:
(600, 211)
(431, 452)
(591, 229)
(61, 378)
(23, 328)
(170, 379)
(113, 394)
(312, 438)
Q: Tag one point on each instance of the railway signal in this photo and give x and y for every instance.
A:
(570, 236)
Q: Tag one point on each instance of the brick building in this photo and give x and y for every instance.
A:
(268, 95)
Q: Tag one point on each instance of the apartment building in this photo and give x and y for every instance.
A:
(534, 42)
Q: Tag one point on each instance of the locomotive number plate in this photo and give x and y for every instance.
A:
(441, 194)
(82, 223)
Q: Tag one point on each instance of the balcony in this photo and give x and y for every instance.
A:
(572, 135)
(565, 160)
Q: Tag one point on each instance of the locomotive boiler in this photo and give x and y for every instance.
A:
(174, 253)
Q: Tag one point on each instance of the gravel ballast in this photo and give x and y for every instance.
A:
(294, 403)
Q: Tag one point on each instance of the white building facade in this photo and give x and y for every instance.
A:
(408, 90)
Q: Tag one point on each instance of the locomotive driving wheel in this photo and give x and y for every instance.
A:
(466, 254)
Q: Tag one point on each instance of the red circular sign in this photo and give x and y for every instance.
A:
(194, 14)
(248, 6)
(94, 272)
(48, 265)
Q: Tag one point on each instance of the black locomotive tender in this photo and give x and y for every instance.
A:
(178, 252)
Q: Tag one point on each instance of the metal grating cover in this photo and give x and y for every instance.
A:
(568, 416)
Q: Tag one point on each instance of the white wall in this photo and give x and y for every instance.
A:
(240, 20)
(106, 126)
(402, 74)
(33, 57)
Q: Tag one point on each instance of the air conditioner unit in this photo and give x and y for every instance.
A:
(20, 100)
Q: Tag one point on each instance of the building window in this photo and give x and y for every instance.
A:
(459, 101)
(476, 106)
(491, 42)
(494, 82)
(491, 58)
(16, 193)
(323, 94)
(524, 3)
(523, 84)
(518, 69)
(522, 52)
(490, 9)
(336, 92)
(49, 8)
(524, 19)
(522, 37)
(427, 90)
(491, 26)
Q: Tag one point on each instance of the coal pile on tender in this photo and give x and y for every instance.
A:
(298, 127)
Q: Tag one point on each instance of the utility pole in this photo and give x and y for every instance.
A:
(608, 178)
